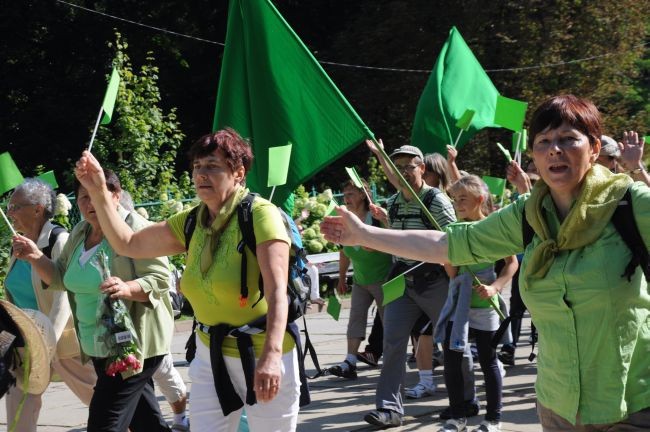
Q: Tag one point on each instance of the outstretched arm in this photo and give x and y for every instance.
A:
(420, 245)
(153, 241)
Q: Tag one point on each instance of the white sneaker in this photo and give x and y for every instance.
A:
(454, 425)
(419, 391)
(488, 426)
(502, 370)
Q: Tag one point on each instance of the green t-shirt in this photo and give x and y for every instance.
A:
(370, 267)
(84, 280)
(477, 302)
(215, 295)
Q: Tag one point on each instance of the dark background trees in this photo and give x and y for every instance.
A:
(55, 59)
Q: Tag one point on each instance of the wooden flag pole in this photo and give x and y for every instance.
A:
(13, 231)
(458, 138)
(271, 196)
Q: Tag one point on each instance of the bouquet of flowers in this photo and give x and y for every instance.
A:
(115, 336)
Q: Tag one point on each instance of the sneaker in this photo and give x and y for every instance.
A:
(471, 410)
(420, 390)
(454, 425)
(180, 427)
(369, 358)
(488, 426)
(506, 357)
(344, 370)
(502, 370)
(384, 418)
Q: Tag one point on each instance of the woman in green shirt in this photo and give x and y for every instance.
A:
(594, 324)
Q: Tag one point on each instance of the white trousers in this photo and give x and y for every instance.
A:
(169, 381)
(278, 415)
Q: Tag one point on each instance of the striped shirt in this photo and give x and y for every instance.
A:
(409, 214)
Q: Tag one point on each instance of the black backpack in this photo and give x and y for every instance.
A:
(625, 224)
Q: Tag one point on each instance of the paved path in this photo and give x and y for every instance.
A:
(338, 405)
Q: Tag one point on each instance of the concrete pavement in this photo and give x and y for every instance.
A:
(337, 404)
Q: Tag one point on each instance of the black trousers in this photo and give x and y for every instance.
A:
(121, 404)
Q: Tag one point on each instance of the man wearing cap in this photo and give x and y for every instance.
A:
(426, 285)
(609, 153)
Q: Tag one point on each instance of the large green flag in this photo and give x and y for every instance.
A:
(273, 91)
(456, 84)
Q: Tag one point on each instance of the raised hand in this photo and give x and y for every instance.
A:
(90, 173)
(631, 151)
(373, 147)
(518, 177)
(25, 249)
(379, 213)
(452, 154)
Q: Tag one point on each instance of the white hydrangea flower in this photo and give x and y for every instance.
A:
(164, 197)
(142, 212)
(328, 194)
(62, 206)
(177, 207)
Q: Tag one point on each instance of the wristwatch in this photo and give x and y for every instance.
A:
(637, 170)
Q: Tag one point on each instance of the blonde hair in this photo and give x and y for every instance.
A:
(475, 186)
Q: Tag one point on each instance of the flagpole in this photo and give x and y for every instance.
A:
(13, 231)
(458, 137)
(92, 138)
(517, 151)
(425, 210)
(272, 192)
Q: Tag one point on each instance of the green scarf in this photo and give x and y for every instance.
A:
(592, 211)
(214, 231)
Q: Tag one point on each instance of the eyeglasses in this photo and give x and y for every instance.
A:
(16, 207)
(406, 168)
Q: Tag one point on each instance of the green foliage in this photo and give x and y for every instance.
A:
(377, 176)
(142, 141)
(309, 213)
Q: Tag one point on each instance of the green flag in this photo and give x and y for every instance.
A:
(497, 186)
(279, 158)
(465, 120)
(331, 207)
(273, 91)
(109, 98)
(520, 138)
(49, 178)
(505, 152)
(510, 113)
(456, 84)
(10, 176)
(646, 139)
(334, 307)
(354, 177)
(393, 289)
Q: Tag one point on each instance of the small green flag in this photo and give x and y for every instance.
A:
(10, 175)
(505, 152)
(497, 186)
(523, 145)
(334, 307)
(355, 177)
(465, 120)
(646, 139)
(49, 178)
(330, 207)
(279, 158)
(510, 113)
(393, 289)
(109, 98)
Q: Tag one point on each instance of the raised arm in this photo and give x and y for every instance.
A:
(518, 177)
(420, 245)
(454, 172)
(632, 156)
(153, 241)
(390, 175)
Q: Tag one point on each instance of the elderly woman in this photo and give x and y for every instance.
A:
(127, 400)
(30, 209)
(223, 377)
(593, 323)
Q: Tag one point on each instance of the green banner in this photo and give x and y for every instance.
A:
(273, 91)
(10, 175)
(109, 98)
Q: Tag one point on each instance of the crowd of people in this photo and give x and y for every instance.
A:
(556, 244)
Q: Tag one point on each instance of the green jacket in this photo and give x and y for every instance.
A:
(594, 325)
(153, 320)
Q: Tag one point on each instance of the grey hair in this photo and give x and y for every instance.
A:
(38, 192)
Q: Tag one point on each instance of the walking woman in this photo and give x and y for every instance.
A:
(591, 308)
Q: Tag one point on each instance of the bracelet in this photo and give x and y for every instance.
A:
(637, 171)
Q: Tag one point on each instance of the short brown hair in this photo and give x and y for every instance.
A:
(236, 149)
(112, 182)
(580, 113)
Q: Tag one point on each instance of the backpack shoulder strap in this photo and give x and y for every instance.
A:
(427, 199)
(527, 231)
(393, 209)
(245, 221)
(54, 235)
(625, 224)
(190, 225)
